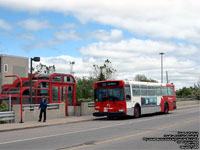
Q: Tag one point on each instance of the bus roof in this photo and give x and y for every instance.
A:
(131, 82)
(145, 83)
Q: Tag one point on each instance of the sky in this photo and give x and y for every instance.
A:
(130, 33)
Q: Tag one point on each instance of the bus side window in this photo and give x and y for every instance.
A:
(128, 92)
(164, 91)
(170, 91)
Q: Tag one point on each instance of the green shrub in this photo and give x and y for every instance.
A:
(4, 106)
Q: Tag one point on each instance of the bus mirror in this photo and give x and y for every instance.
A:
(128, 97)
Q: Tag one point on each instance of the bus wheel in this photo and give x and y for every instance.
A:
(136, 112)
(166, 109)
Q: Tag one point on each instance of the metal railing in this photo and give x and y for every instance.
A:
(32, 107)
(7, 115)
(185, 99)
(90, 104)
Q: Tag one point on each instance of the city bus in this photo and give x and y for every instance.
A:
(117, 98)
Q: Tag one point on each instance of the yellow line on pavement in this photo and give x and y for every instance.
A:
(132, 135)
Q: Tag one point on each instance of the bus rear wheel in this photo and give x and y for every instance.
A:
(137, 112)
(166, 109)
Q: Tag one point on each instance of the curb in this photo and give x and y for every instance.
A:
(184, 107)
(40, 126)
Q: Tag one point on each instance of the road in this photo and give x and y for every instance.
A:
(104, 134)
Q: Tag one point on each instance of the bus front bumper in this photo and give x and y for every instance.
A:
(115, 114)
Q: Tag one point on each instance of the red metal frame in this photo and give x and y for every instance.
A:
(7, 87)
(21, 101)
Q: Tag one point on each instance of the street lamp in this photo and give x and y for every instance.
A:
(72, 63)
(36, 59)
(161, 66)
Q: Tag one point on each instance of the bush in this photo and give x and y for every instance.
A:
(85, 100)
(4, 106)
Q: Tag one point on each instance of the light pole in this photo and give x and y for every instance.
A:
(36, 59)
(161, 66)
(72, 63)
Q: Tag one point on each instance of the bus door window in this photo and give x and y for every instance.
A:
(128, 92)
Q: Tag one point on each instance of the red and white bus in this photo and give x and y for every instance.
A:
(120, 98)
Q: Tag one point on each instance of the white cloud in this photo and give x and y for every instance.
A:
(64, 35)
(27, 36)
(4, 25)
(69, 25)
(42, 44)
(160, 21)
(34, 24)
(165, 19)
(81, 68)
(134, 56)
(135, 47)
(103, 35)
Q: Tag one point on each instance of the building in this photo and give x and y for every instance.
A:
(12, 65)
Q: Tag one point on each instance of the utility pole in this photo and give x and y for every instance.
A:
(161, 54)
(167, 77)
(72, 63)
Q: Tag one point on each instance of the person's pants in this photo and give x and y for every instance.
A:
(41, 112)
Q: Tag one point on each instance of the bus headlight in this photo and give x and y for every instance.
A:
(96, 111)
(121, 110)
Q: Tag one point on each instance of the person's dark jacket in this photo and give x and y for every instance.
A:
(43, 105)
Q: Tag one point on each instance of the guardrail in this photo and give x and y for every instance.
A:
(7, 115)
(90, 104)
(185, 99)
(32, 107)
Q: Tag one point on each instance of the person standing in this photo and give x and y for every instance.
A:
(43, 107)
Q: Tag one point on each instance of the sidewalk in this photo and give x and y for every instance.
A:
(51, 122)
(59, 121)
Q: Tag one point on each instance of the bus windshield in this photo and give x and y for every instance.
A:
(111, 94)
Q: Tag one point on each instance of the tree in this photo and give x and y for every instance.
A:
(104, 72)
(85, 88)
(44, 69)
(185, 92)
(143, 78)
(196, 91)
(191, 92)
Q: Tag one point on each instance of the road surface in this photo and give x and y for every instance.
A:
(104, 134)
